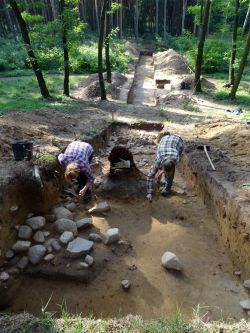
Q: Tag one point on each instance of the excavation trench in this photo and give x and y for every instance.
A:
(181, 224)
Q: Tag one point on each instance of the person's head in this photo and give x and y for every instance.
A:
(72, 172)
(161, 135)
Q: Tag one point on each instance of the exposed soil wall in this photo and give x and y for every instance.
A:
(231, 212)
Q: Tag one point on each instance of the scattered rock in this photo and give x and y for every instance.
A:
(125, 284)
(245, 304)
(21, 246)
(99, 208)
(13, 208)
(66, 237)
(64, 224)
(36, 222)
(36, 254)
(39, 237)
(46, 233)
(30, 215)
(83, 265)
(89, 260)
(49, 257)
(122, 242)
(9, 254)
(62, 213)
(95, 238)
(84, 223)
(170, 261)
(112, 236)
(23, 263)
(4, 276)
(56, 246)
(50, 218)
(25, 232)
(246, 284)
(237, 273)
(71, 206)
(78, 247)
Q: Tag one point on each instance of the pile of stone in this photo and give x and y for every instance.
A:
(34, 246)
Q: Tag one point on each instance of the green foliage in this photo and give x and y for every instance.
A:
(195, 11)
(191, 107)
(12, 55)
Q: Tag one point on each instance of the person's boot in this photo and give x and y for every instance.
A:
(167, 187)
(87, 197)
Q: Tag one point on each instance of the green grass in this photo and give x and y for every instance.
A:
(224, 76)
(24, 93)
(26, 72)
(190, 107)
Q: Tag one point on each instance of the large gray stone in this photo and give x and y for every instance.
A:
(95, 238)
(36, 222)
(49, 257)
(24, 232)
(78, 247)
(39, 237)
(245, 304)
(71, 206)
(36, 254)
(89, 260)
(99, 208)
(9, 254)
(170, 260)
(62, 212)
(246, 284)
(66, 237)
(84, 223)
(4, 276)
(125, 284)
(63, 224)
(112, 236)
(21, 246)
(56, 246)
(23, 263)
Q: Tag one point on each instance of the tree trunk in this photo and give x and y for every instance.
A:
(246, 20)
(121, 22)
(234, 43)
(136, 19)
(31, 54)
(165, 21)
(54, 9)
(97, 17)
(65, 48)
(241, 67)
(156, 17)
(184, 6)
(107, 56)
(199, 59)
(100, 46)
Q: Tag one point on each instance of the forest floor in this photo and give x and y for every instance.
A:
(202, 120)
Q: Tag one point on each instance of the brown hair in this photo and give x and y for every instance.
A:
(71, 172)
(161, 135)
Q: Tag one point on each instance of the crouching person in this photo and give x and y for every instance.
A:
(168, 155)
(76, 159)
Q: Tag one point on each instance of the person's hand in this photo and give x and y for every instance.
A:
(149, 197)
(82, 192)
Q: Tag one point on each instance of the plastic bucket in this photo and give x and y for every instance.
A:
(22, 150)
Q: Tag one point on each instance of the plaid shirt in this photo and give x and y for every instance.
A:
(170, 148)
(78, 152)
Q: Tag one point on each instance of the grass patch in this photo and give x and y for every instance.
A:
(224, 76)
(191, 107)
(24, 93)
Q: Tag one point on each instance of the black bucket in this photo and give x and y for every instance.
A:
(22, 149)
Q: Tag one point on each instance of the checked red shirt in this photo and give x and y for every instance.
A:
(78, 152)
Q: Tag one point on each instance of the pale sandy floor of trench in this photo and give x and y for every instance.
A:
(168, 224)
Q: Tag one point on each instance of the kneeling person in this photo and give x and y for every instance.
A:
(77, 158)
(168, 155)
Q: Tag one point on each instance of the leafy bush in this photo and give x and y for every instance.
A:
(12, 55)
(50, 58)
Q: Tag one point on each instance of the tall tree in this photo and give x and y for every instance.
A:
(100, 47)
(31, 54)
(156, 17)
(64, 27)
(246, 20)
(184, 7)
(136, 18)
(97, 17)
(241, 67)
(165, 21)
(234, 43)
(199, 59)
(107, 55)
(121, 19)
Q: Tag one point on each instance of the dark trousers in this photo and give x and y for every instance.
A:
(82, 179)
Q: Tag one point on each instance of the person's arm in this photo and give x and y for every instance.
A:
(150, 177)
(90, 179)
